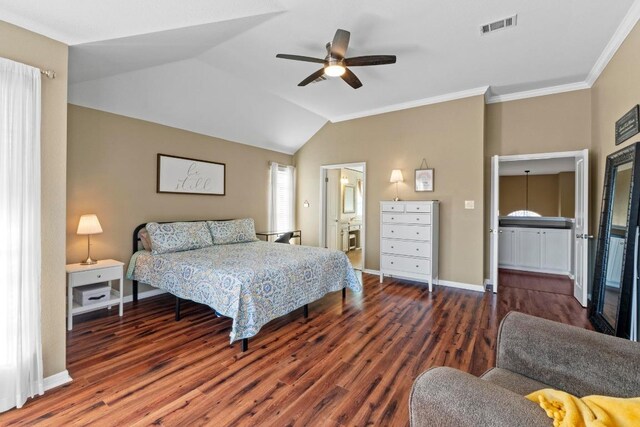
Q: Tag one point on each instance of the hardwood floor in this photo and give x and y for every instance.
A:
(553, 283)
(350, 363)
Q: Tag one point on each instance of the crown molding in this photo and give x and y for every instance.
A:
(551, 90)
(625, 27)
(412, 104)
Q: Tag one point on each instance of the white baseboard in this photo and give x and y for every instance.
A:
(440, 282)
(146, 294)
(460, 285)
(56, 380)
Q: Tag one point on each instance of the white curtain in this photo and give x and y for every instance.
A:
(20, 342)
(282, 189)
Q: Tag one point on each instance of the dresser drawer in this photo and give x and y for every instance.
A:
(94, 276)
(407, 265)
(398, 247)
(407, 218)
(417, 207)
(392, 207)
(409, 232)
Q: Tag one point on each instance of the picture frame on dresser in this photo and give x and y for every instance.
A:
(409, 240)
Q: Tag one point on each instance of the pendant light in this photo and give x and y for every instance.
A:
(526, 191)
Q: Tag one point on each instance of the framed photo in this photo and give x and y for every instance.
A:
(182, 175)
(424, 179)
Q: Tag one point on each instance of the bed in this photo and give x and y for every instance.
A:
(252, 282)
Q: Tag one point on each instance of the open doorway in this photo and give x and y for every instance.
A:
(539, 226)
(342, 210)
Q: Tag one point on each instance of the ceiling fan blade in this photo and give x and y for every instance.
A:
(340, 44)
(362, 61)
(351, 79)
(300, 58)
(312, 77)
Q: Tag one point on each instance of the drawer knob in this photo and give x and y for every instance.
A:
(391, 262)
(392, 218)
(99, 276)
(418, 208)
(392, 231)
(417, 232)
(417, 266)
(391, 247)
(417, 249)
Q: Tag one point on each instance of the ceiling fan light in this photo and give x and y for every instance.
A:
(335, 70)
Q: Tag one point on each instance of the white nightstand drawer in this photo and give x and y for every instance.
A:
(93, 276)
(392, 207)
(409, 232)
(398, 247)
(409, 265)
(418, 207)
(407, 218)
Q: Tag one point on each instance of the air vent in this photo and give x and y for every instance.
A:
(499, 25)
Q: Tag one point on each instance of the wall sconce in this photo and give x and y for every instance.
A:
(306, 204)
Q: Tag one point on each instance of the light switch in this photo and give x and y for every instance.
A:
(469, 204)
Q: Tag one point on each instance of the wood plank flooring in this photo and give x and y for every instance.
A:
(351, 363)
(553, 283)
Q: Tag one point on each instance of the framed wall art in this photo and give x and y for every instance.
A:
(424, 180)
(182, 175)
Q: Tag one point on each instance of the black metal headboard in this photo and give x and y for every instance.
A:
(136, 243)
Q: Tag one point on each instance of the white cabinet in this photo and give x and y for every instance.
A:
(506, 247)
(409, 240)
(542, 250)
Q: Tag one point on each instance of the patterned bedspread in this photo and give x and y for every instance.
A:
(252, 283)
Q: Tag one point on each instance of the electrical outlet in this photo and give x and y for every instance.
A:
(469, 204)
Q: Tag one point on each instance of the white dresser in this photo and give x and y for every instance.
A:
(409, 240)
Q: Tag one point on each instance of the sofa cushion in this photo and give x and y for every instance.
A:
(511, 381)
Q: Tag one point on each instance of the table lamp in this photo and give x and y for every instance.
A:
(89, 225)
(396, 176)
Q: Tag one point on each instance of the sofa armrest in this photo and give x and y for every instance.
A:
(447, 397)
(572, 359)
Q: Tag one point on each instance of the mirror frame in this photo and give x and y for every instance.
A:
(344, 199)
(623, 321)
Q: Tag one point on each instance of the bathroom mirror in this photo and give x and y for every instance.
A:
(610, 309)
(349, 199)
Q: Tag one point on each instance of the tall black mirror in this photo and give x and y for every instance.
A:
(616, 256)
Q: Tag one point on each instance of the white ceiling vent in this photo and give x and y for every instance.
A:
(499, 25)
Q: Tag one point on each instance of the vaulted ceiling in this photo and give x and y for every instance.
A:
(209, 66)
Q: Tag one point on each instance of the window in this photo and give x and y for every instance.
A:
(282, 197)
(524, 213)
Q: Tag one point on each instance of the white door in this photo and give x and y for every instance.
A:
(493, 222)
(333, 209)
(581, 249)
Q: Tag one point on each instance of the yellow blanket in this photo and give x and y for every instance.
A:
(567, 410)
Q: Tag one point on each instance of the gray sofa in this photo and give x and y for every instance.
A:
(531, 354)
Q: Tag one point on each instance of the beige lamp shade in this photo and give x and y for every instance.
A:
(89, 224)
(396, 176)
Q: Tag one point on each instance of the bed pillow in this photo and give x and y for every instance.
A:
(234, 231)
(143, 235)
(178, 236)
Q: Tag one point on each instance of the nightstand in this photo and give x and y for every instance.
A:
(106, 270)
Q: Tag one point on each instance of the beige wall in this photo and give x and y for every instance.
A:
(112, 173)
(39, 51)
(567, 194)
(448, 135)
(549, 195)
(614, 93)
(543, 194)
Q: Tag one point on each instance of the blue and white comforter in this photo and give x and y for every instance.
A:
(252, 283)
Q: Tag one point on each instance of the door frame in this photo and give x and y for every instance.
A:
(323, 203)
(494, 197)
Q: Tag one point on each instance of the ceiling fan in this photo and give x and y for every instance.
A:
(335, 64)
